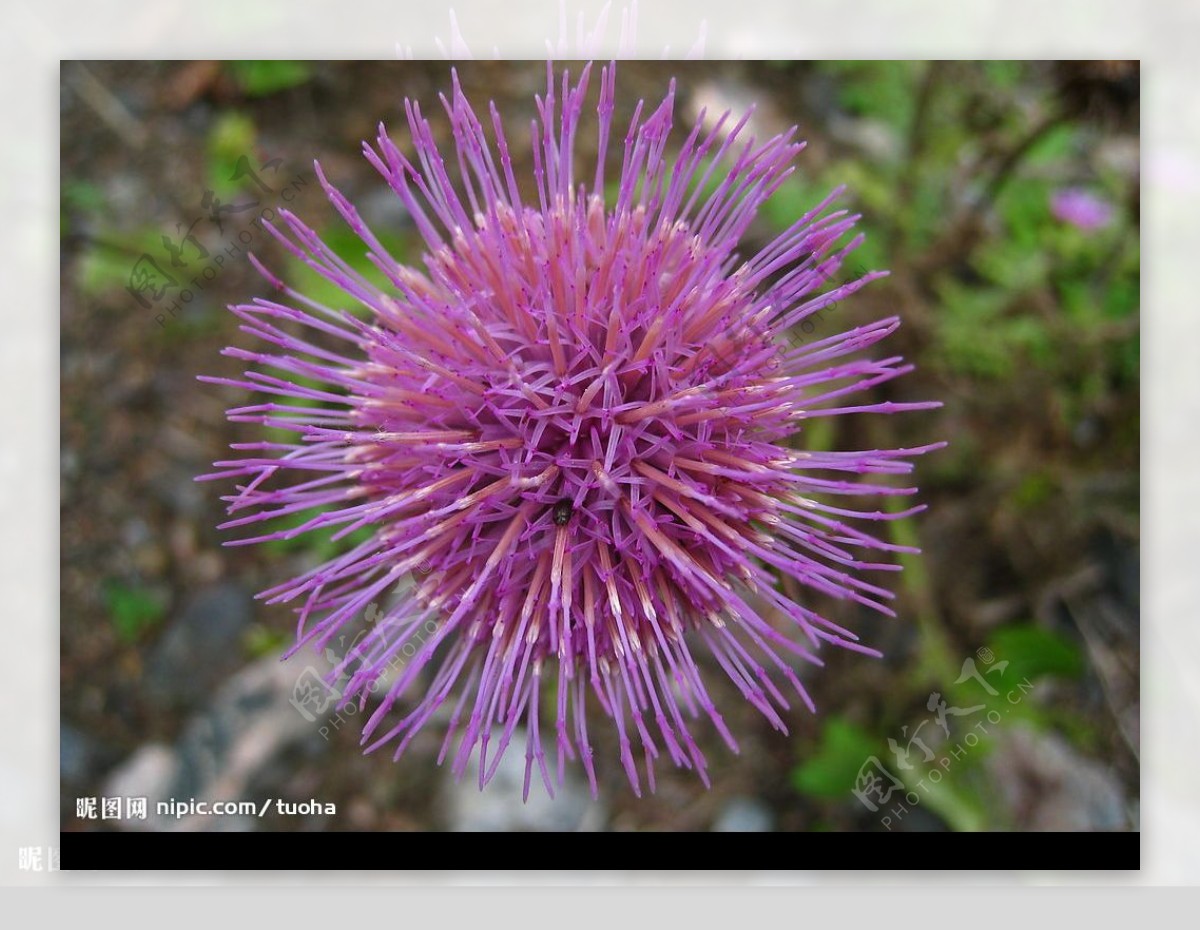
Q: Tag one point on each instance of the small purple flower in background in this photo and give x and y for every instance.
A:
(1081, 208)
(575, 423)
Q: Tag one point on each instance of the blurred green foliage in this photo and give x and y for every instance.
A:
(984, 692)
(342, 240)
(133, 610)
(877, 89)
(106, 264)
(259, 641)
(830, 770)
(1035, 292)
(232, 137)
(954, 166)
(1033, 652)
(316, 542)
(78, 197)
(260, 78)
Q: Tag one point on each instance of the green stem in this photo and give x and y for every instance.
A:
(936, 658)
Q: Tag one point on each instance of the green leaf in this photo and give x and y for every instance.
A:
(106, 266)
(232, 137)
(841, 752)
(880, 89)
(1024, 206)
(1003, 74)
(817, 435)
(132, 611)
(957, 798)
(101, 270)
(259, 641)
(353, 251)
(1033, 652)
(791, 200)
(1054, 147)
(966, 339)
(260, 78)
(1122, 298)
(1012, 266)
(83, 196)
(1034, 490)
(317, 540)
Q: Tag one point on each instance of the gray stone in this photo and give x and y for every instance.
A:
(872, 137)
(223, 751)
(498, 807)
(177, 488)
(744, 815)
(200, 647)
(383, 211)
(150, 773)
(77, 754)
(1047, 785)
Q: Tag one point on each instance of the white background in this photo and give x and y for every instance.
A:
(34, 36)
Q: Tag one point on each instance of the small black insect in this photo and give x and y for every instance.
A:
(562, 512)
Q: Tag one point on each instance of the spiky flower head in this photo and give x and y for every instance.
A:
(573, 427)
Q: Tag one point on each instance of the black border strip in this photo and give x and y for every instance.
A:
(877, 852)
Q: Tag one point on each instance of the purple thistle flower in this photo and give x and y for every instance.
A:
(1081, 208)
(574, 424)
